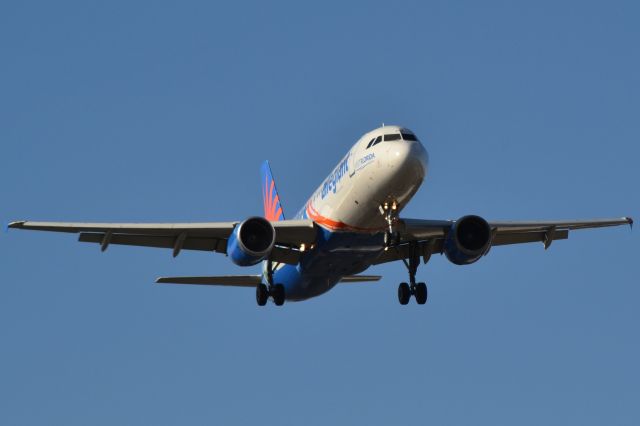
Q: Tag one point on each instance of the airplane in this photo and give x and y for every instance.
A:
(351, 222)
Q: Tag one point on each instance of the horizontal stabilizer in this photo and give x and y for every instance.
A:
(360, 278)
(224, 280)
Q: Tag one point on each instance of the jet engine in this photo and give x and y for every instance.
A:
(468, 240)
(251, 241)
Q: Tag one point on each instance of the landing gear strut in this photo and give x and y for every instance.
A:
(390, 213)
(419, 290)
(275, 291)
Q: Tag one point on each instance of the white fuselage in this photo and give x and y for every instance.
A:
(348, 207)
(350, 197)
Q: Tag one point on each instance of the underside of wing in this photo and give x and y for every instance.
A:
(569, 225)
(419, 229)
(290, 235)
(425, 237)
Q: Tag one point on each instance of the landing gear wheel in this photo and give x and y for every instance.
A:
(262, 294)
(420, 291)
(278, 294)
(404, 293)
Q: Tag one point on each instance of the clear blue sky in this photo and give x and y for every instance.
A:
(163, 111)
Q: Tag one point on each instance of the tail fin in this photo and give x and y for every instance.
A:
(270, 199)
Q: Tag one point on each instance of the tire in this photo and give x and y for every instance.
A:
(404, 293)
(421, 293)
(278, 294)
(262, 294)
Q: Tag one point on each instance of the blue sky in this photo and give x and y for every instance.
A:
(163, 111)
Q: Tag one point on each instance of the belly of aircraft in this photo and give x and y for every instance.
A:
(336, 255)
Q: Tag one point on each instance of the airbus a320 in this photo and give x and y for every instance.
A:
(351, 222)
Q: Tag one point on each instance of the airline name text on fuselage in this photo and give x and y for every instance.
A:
(331, 183)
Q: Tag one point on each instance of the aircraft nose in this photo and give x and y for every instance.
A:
(409, 157)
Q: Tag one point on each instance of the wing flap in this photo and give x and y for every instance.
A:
(222, 280)
(278, 254)
(506, 238)
(159, 241)
(435, 245)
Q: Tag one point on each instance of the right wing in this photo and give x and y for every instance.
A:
(430, 234)
(208, 236)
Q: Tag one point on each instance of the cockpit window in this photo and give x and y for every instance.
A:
(370, 143)
(409, 136)
(392, 137)
(376, 141)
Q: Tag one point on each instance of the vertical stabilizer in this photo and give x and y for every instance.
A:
(270, 199)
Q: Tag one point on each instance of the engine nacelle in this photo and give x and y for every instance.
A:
(468, 240)
(251, 241)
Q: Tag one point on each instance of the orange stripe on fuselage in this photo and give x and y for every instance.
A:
(335, 225)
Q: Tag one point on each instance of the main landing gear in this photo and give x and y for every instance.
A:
(276, 291)
(419, 290)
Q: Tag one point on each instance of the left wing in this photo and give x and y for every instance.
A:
(208, 236)
(430, 234)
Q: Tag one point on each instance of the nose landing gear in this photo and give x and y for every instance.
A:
(390, 213)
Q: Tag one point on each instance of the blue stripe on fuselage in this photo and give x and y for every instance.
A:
(335, 255)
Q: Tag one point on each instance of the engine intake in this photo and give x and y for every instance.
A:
(468, 240)
(251, 241)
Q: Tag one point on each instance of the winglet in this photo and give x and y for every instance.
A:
(17, 224)
(629, 221)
